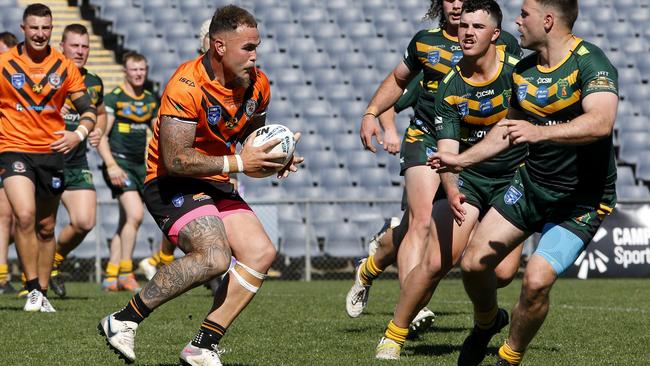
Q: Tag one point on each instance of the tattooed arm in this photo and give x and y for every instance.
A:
(180, 158)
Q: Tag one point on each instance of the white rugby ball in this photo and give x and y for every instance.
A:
(287, 145)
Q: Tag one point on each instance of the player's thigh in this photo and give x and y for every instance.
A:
(5, 208)
(21, 194)
(448, 240)
(248, 240)
(421, 185)
(46, 209)
(131, 203)
(495, 237)
(81, 205)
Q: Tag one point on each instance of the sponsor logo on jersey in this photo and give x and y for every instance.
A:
(433, 57)
(485, 106)
(251, 106)
(56, 182)
(178, 200)
(19, 107)
(200, 197)
(18, 80)
(18, 167)
(484, 93)
(460, 183)
(54, 79)
(564, 90)
(231, 123)
(601, 83)
(463, 109)
(37, 88)
(522, 90)
(541, 80)
(511, 196)
(456, 57)
(214, 114)
(542, 94)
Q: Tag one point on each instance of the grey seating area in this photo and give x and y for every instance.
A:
(325, 59)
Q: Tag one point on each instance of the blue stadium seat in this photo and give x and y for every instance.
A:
(327, 76)
(319, 108)
(313, 62)
(353, 110)
(327, 126)
(313, 142)
(643, 166)
(338, 48)
(334, 178)
(631, 192)
(343, 240)
(360, 31)
(323, 213)
(340, 92)
(625, 176)
(373, 177)
(284, 33)
(320, 160)
(153, 5)
(364, 76)
(372, 45)
(323, 30)
(295, 237)
(348, 15)
(281, 109)
(288, 76)
(346, 142)
(631, 145)
(358, 160)
(277, 60)
(397, 31)
(312, 15)
(302, 93)
(292, 213)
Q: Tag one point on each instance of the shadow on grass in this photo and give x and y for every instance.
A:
(433, 349)
(362, 329)
(69, 298)
(10, 308)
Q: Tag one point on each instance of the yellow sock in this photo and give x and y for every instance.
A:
(154, 260)
(510, 355)
(112, 270)
(126, 267)
(165, 258)
(487, 319)
(369, 271)
(58, 259)
(396, 333)
(4, 273)
(23, 279)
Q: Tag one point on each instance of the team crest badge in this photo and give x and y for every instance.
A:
(564, 90)
(56, 182)
(506, 97)
(251, 106)
(214, 114)
(231, 123)
(37, 88)
(54, 79)
(126, 110)
(463, 109)
(456, 57)
(18, 80)
(433, 57)
(178, 200)
(512, 196)
(542, 94)
(18, 167)
(522, 90)
(485, 106)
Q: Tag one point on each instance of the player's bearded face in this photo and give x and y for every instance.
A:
(38, 31)
(451, 10)
(241, 55)
(476, 32)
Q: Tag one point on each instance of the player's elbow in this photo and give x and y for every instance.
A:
(174, 163)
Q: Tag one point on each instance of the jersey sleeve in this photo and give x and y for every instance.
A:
(411, 94)
(447, 119)
(597, 74)
(181, 99)
(100, 92)
(74, 81)
(265, 91)
(411, 54)
(512, 45)
(110, 101)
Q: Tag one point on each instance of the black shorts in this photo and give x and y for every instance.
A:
(44, 170)
(175, 201)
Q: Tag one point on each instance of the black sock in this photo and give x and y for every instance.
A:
(209, 334)
(32, 285)
(44, 292)
(134, 311)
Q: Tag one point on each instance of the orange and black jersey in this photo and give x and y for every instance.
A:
(31, 95)
(221, 115)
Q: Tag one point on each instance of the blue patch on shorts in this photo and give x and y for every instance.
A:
(559, 246)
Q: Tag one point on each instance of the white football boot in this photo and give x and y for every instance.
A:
(147, 268)
(422, 321)
(34, 301)
(387, 349)
(120, 336)
(196, 356)
(46, 306)
(357, 298)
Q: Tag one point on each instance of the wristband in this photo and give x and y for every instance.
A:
(226, 165)
(371, 111)
(85, 129)
(80, 134)
(240, 163)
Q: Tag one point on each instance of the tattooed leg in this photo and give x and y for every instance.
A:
(207, 255)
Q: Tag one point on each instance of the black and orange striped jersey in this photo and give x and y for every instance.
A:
(551, 96)
(221, 115)
(31, 96)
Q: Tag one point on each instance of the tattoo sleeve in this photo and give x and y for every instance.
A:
(208, 255)
(176, 140)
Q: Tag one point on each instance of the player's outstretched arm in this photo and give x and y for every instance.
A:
(88, 115)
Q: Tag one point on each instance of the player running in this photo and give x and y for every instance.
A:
(564, 107)
(210, 104)
(78, 197)
(33, 140)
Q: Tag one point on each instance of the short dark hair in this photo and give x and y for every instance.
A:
(38, 10)
(568, 9)
(74, 28)
(229, 17)
(134, 56)
(8, 39)
(489, 6)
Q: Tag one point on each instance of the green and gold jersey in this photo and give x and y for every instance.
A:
(466, 111)
(434, 52)
(133, 115)
(76, 158)
(550, 96)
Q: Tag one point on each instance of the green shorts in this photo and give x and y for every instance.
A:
(529, 206)
(76, 179)
(135, 181)
(417, 145)
(480, 190)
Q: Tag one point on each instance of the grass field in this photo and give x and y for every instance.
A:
(594, 322)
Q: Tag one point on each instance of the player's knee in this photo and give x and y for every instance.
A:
(45, 232)
(262, 257)
(505, 275)
(83, 226)
(535, 288)
(25, 220)
(217, 259)
(471, 264)
(420, 224)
